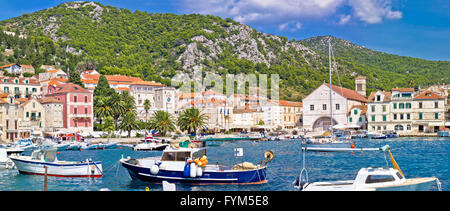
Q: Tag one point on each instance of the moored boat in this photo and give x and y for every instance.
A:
(444, 132)
(372, 179)
(44, 162)
(149, 144)
(187, 165)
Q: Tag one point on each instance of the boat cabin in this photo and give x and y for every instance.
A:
(44, 155)
(371, 177)
(182, 154)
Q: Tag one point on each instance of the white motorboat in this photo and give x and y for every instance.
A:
(150, 144)
(44, 162)
(372, 179)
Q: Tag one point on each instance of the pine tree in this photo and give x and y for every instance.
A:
(103, 88)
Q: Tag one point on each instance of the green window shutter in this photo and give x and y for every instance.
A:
(355, 111)
(395, 105)
(373, 118)
(351, 119)
(436, 115)
(384, 118)
(420, 115)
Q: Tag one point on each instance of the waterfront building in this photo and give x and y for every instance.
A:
(247, 118)
(378, 111)
(292, 113)
(77, 107)
(20, 87)
(429, 112)
(272, 115)
(53, 110)
(142, 90)
(20, 118)
(316, 106)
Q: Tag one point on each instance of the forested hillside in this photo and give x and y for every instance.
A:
(156, 46)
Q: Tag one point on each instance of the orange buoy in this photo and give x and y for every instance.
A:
(352, 146)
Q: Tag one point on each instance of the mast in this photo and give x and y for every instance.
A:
(331, 101)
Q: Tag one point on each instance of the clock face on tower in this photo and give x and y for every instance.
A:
(168, 99)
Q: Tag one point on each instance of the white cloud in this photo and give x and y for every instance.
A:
(373, 11)
(291, 26)
(283, 12)
(343, 19)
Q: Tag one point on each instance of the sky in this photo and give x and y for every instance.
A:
(416, 28)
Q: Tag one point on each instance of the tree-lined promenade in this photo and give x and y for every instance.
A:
(117, 112)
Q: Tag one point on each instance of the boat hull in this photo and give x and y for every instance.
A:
(87, 169)
(151, 148)
(256, 176)
(443, 134)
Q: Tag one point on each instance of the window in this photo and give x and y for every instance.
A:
(384, 118)
(6, 89)
(401, 106)
(311, 107)
(420, 105)
(401, 116)
(75, 110)
(408, 127)
(324, 107)
(436, 105)
(420, 116)
(436, 115)
(360, 119)
(351, 119)
(379, 178)
(408, 105)
(85, 99)
(373, 108)
(384, 108)
(28, 114)
(395, 105)
(338, 106)
(378, 98)
(355, 111)
(373, 118)
(408, 116)
(398, 127)
(34, 90)
(75, 99)
(85, 110)
(395, 116)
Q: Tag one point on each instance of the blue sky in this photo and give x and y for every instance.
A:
(415, 28)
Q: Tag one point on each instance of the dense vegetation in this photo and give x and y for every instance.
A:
(147, 45)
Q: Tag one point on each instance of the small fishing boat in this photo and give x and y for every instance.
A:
(74, 146)
(391, 134)
(379, 136)
(335, 149)
(444, 132)
(372, 179)
(189, 165)
(149, 144)
(44, 162)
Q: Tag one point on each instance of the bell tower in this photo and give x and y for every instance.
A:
(360, 85)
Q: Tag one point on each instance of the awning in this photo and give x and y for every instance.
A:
(436, 124)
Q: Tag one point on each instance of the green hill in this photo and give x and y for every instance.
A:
(156, 46)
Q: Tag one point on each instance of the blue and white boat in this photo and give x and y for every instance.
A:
(178, 166)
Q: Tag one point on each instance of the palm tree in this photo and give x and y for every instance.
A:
(102, 108)
(129, 123)
(191, 120)
(146, 108)
(108, 125)
(163, 122)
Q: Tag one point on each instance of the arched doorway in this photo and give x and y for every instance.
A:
(323, 124)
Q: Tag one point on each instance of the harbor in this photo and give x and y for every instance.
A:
(417, 157)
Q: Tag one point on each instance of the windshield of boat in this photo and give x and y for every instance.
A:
(175, 156)
(379, 178)
(199, 153)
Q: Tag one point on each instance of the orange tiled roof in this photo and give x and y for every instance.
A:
(428, 95)
(387, 96)
(290, 103)
(69, 87)
(8, 65)
(122, 88)
(51, 100)
(26, 66)
(363, 108)
(347, 93)
(403, 89)
(187, 95)
(147, 83)
(53, 71)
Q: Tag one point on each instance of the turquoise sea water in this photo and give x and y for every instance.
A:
(417, 157)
